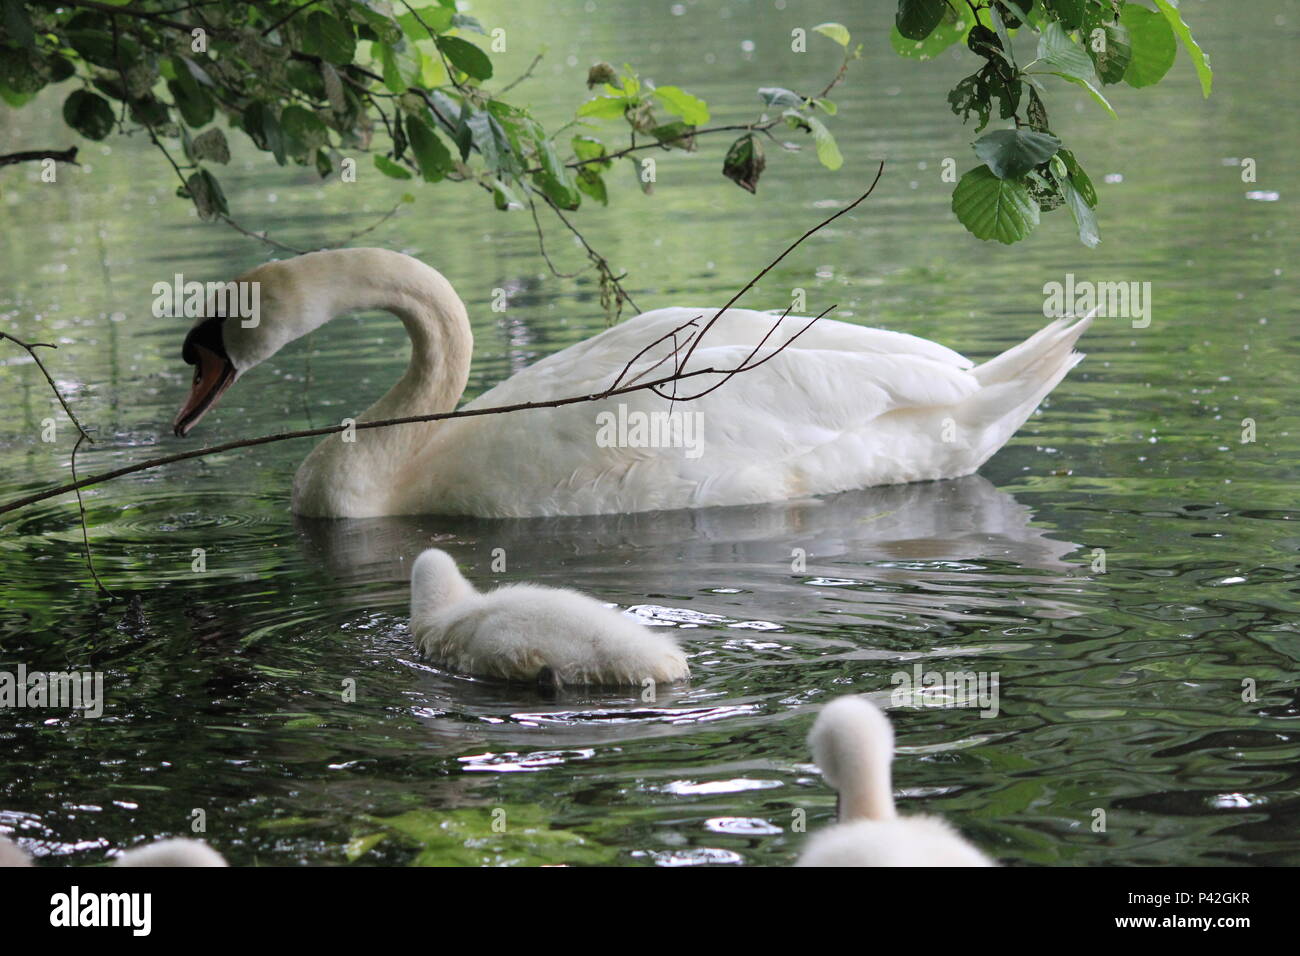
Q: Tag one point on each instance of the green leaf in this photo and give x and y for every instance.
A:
(1113, 58)
(328, 38)
(1199, 58)
(503, 197)
(466, 57)
(88, 113)
(834, 31)
(463, 21)
(603, 107)
(1153, 45)
(211, 146)
(555, 179)
(487, 134)
(436, 19)
(434, 158)
(677, 101)
(1060, 54)
(1087, 85)
(916, 19)
(745, 162)
(780, 97)
(1004, 39)
(16, 100)
(951, 30)
(828, 152)
(384, 27)
(304, 130)
(390, 168)
(1010, 153)
(588, 148)
(17, 23)
(1069, 12)
(676, 135)
(206, 193)
(1036, 112)
(593, 184)
(194, 102)
(401, 68)
(1084, 218)
(263, 127)
(993, 208)
(1078, 177)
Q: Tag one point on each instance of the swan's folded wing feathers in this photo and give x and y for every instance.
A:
(594, 363)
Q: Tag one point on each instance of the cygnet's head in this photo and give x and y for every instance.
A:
(177, 852)
(853, 744)
(436, 583)
(11, 854)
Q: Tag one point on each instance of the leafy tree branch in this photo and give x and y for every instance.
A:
(1088, 43)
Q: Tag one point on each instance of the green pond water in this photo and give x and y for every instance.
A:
(1119, 691)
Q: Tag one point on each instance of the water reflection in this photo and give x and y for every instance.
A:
(894, 528)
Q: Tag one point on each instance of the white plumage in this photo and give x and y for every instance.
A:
(531, 633)
(843, 407)
(174, 852)
(853, 744)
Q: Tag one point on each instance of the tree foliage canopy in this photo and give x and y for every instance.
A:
(410, 87)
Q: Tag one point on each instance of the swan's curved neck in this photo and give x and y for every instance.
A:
(866, 790)
(367, 466)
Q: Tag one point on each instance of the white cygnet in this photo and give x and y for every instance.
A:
(530, 633)
(853, 744)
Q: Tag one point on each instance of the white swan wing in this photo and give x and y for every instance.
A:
(805, 422)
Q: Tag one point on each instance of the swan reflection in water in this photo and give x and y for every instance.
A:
(879, 533)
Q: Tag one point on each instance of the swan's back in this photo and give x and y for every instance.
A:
(843, 407)
(903, 841)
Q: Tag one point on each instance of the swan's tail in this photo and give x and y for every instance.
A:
(1015, 382)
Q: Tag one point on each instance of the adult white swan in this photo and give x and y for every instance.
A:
(843, 407)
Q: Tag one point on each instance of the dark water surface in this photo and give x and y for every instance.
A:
(1119, 691)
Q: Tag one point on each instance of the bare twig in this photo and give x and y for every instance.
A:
(82, 435)
(771, 265)
(522, 76)
(678, 374)
(68, 155)
(667, 335)
(746, 365)
(601, 263)
(31, 348)
(541, 245)
(287, 17)
(85, 532)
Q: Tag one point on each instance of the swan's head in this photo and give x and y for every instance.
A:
(853, 744)
(245, 322)
(177, 852)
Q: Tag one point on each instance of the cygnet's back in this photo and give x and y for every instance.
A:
(528, 632)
